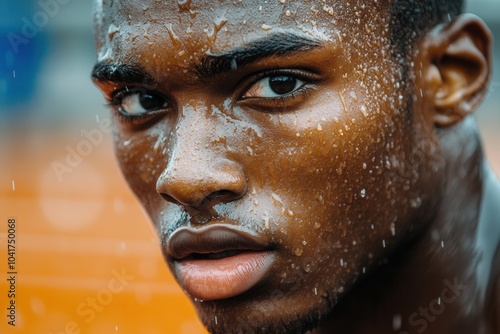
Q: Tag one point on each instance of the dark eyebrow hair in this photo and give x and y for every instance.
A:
(276, 44)
(212, 65)
(121, 72)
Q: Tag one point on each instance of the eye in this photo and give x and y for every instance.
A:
(137, 108)
(274, 86)
(137, 102)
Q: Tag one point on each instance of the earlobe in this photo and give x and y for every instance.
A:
(458, 67)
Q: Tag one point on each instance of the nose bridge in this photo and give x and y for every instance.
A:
(198, 167)
(191, 132)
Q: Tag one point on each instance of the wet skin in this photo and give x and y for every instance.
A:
(285, 142)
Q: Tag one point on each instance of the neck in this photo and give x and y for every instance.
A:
(440, 281)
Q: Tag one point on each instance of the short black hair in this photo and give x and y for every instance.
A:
(411, 19)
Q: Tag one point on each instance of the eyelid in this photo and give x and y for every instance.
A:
(135, 121)
(117, 96)
(307, 76)
(311, 80)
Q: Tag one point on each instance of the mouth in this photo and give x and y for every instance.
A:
(215, 256)
(217, 261)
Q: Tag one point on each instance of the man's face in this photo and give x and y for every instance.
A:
(271, 144)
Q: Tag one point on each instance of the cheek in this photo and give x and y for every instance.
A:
(349, 191)
(141, 161)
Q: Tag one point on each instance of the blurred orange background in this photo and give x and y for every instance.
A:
(87, 259)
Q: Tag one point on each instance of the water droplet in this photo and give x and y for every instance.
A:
(341, 262)
(112, 30)
(396, 322)
(265, 218)
(307, 267)
(363, 193)
(156, 146)
(298, 251)
(328, 9)
(218, 24)
(173, 37)
(266, 27)
(184, 5)
(343, 102)
(416, 202)
(393, 229)
(364, 110)
(277, 198)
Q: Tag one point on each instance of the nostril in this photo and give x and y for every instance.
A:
(169, 198)
(221, 194)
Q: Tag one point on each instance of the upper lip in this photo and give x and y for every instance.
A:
(211, 239)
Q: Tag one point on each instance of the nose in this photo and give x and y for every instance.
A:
(196, 183)
(199, 170)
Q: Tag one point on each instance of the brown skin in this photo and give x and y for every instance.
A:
(352, 191)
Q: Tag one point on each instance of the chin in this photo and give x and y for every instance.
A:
(247, 314)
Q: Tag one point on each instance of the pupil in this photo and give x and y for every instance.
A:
(150, 102)
(282, 84)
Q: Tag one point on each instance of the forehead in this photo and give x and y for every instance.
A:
(215, 26)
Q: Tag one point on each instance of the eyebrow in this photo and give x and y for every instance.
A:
(121, 72)
(277, 44)
(212, 65)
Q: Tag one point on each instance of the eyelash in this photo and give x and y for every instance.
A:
(281, 102)
(133, 121)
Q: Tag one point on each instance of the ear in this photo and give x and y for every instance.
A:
(457, 67)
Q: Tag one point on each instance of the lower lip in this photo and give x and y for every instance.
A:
(223, 278)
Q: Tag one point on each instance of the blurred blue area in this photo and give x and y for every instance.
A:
(23, 44)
